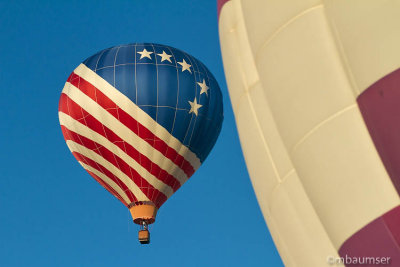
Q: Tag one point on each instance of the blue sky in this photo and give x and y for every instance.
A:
(52, 213)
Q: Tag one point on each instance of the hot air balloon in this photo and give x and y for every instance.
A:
(141, 119)
(315, 88)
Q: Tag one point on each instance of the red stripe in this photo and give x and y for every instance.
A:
(106, 172)
(379, 105)
(379, 238)
(101, 169)
(144, 133)
(71, 108)
(107, 187)
(152, 193)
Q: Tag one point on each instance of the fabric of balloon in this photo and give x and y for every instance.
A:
(141, 119)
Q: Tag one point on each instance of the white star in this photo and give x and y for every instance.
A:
(165, 56)
(185, 66)
(204, 87)
(145, 53)
(194, 107)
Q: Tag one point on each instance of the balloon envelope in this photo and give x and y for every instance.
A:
(141, 119)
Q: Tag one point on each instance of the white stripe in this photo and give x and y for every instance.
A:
(107, 181)
(135, 112)
(124, 132)
(85, 131)
(75, 147)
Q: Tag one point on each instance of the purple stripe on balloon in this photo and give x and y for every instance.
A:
(220, 3)
(380, 107)
(377, 240)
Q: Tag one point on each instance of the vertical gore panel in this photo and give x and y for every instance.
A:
(380, 107)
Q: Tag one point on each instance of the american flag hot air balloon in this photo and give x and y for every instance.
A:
(141, 119)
